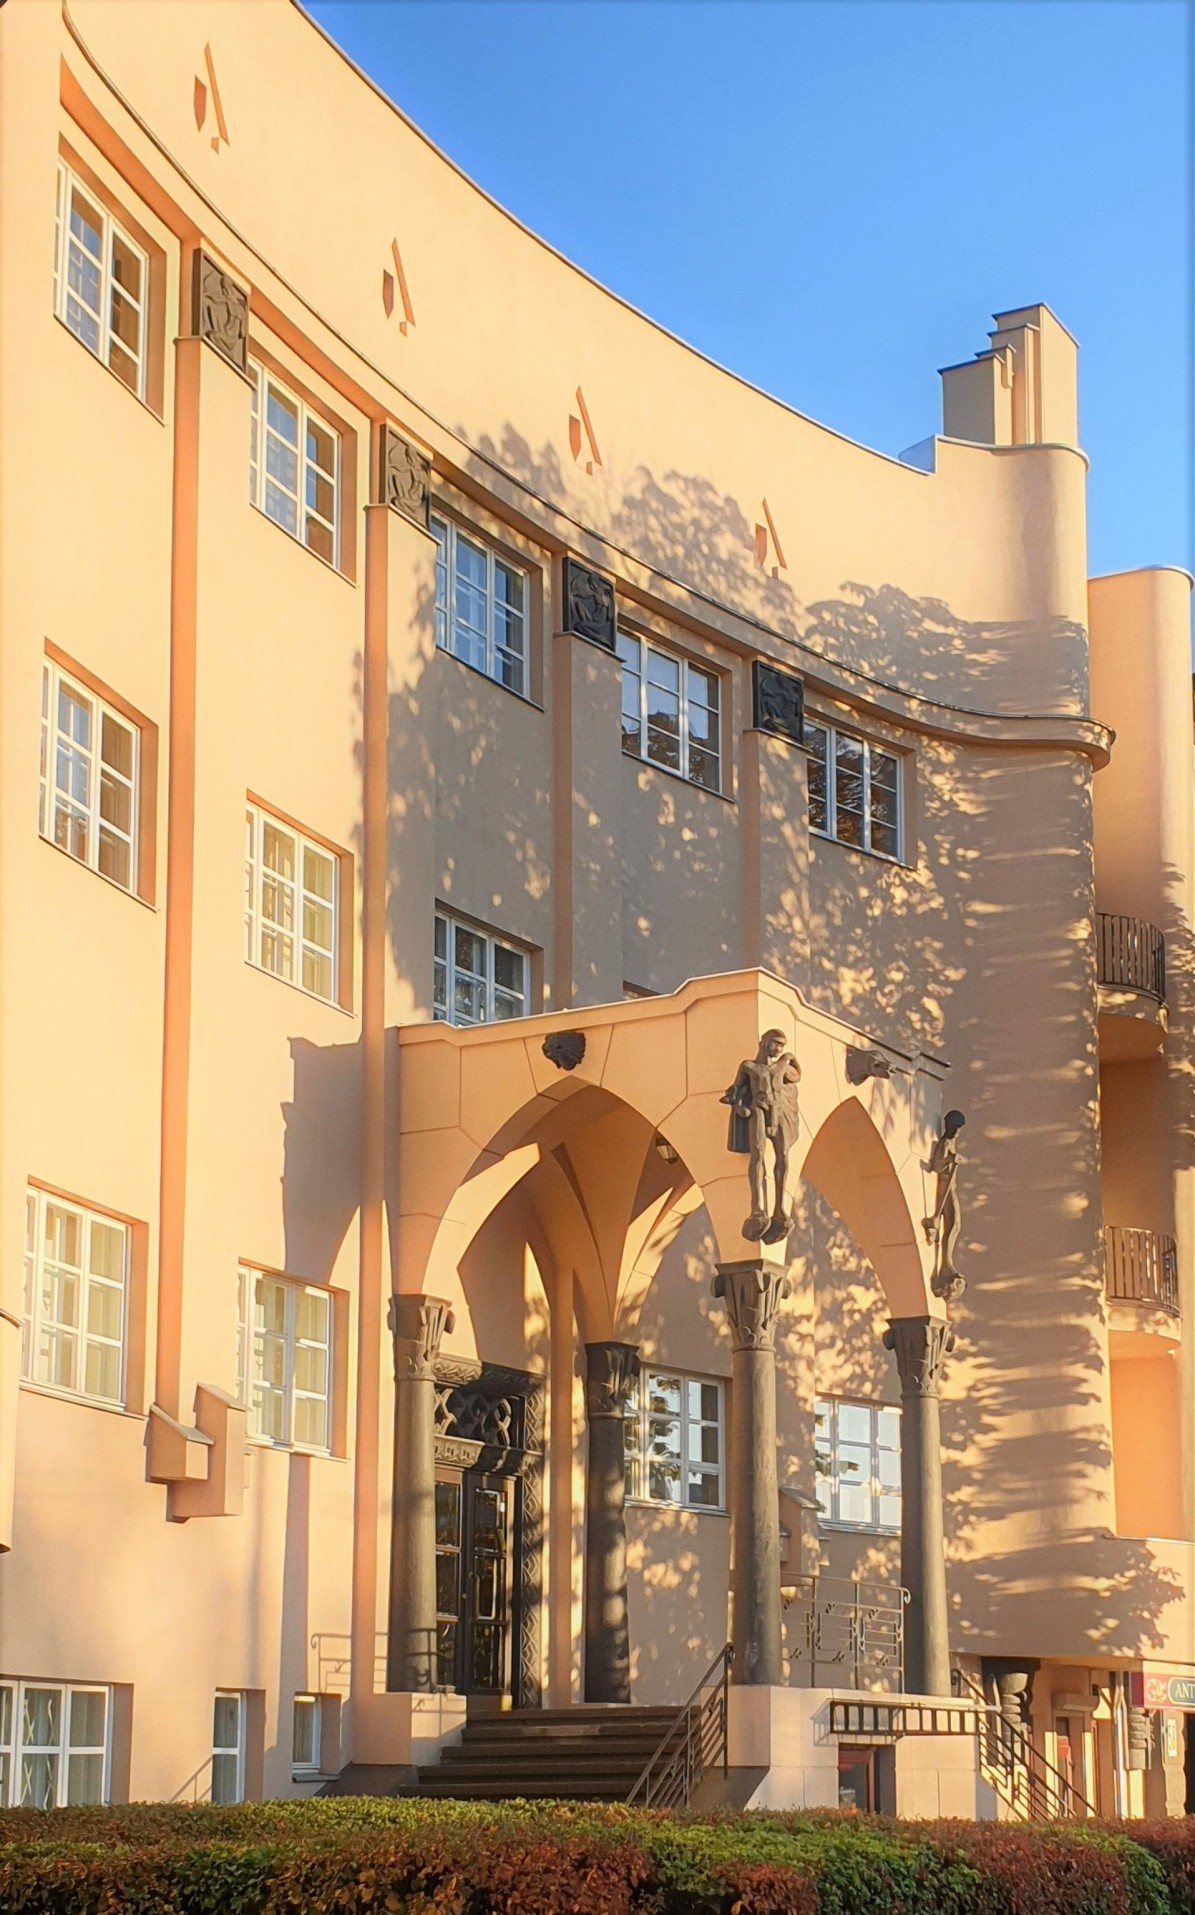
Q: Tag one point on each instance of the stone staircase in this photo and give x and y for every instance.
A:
(595, 1752)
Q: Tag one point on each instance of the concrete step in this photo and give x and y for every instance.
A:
(510, 1791)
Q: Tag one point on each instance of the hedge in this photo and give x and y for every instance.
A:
(370, 1856)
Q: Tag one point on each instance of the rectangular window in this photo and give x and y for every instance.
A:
(478, 978)
(101, 279)
(671, 712)
(854, 790)
(305, 1733)
(481, 607)
(294, 465)
(285, 1360)
(53, 1745)
(76, 1277)
(857, 1452)
(291, 904)
(228, 1747)
(87, 795)
(672, 1439)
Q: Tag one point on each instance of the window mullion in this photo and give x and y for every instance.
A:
(288, 1366)
(867, 794)
(491, 586)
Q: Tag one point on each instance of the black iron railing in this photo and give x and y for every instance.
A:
(848, 1633)
(1012, 1764)
(695, 1741)
(1141, 1266)
(1131, 955)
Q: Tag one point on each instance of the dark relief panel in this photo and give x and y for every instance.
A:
(221, 312)
(588, 604)
(405, 478)
(779, 702)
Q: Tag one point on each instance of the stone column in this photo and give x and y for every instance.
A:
(753, 1293)
(610, 1373)
(417, 1324)
(921, 1345)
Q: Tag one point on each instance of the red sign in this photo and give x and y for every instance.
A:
(1163, 1689)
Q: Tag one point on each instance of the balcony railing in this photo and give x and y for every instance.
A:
(1132, 955)
(846, 1632)
(1141, 1266)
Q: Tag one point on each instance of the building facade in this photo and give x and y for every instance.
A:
(444, 722)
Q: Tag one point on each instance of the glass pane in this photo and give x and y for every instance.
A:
(448, 1582)
(104, 1310)
(317, 974)
(448, 1513)
(854, 1423)
(508, 969)
(311, 1422)
(116, 745)
(441, 938)
(470, 952)
(854, 1503)
(226, 1722)
(282, 416)
(278, 850)
(818, 814)
(89, 1708)
(115, 858)
(311, 1369)
(311, 1316)
(884, 840)
(318, 873)
(888, 1512)
(39, 1781)
(303, 1737)
(320, 540)
(106, 1258)
(321, 447)
(224, 1778)
(101, 1371)
(664, 1395)
(703, 1489)
(6, 1713)
(888, 1428)
(469, 1001)
(41, 1718)
(271, 1304)
(446, 1653)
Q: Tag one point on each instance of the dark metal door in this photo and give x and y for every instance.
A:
(474, 1526)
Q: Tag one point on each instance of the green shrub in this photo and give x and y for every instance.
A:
(371, 1856)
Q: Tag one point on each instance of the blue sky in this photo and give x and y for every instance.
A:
(831, 197)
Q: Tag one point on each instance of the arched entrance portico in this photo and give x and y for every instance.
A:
(610, 1138)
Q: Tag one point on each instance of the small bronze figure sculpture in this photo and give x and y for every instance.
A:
(942, 1229)
(763, 1109)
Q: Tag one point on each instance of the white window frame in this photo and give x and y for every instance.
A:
(308, 470)
(261, 929)
(66, 296)
(252, 1337)
(449, 538)
(832, 735)
(37, 1321)
(58, 805)
(831, 1471)
(14, 1748)
(446, 972)
(228, 1748)
(638, 1417)
(635, 655)
(309, 1765)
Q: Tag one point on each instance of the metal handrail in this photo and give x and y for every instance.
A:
(1021, 1773)
(1141, 1266)
(694, 1741)
(1131, 954)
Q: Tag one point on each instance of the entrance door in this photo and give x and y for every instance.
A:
(474, 1526)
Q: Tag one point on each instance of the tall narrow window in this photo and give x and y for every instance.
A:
(854, 790)
(671, 712)
(294, 464)
(673, 1440)
(53, 1745)
(481, 607)
(228, 1747)
(100, 281)
(857, 1452)
(291, 904)
(305, 1733)
(76, 1275)
(478, 978)
(285, 1361)
(87, 799)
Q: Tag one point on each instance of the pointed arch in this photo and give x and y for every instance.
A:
(848, 1163)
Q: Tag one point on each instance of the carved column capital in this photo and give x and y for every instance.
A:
(752, 1293)
(920, 1346)
(220, 311)
(611, 1370)
(417, 1324)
